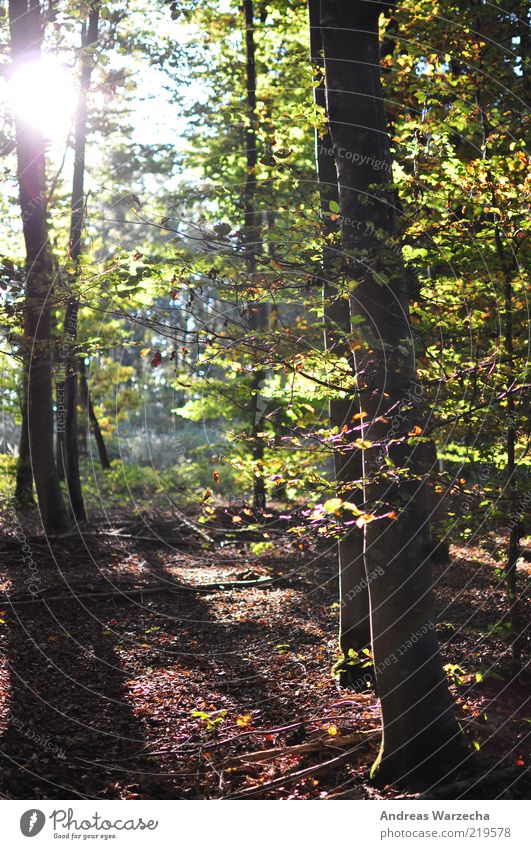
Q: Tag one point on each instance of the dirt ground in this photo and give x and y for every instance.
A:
(120, 681)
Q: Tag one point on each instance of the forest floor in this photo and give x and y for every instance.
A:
(120, 680)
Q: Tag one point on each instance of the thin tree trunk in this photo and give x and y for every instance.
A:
(82, 422)
(60, 429)
(515, 511)
(508, 268)
(515, 528)
(89, 37)
(26, 37)
(24, 482)
(421, 739)
(86, 401)
(354, 626)
(258, 312)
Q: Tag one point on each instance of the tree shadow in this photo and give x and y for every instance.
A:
(69, 723)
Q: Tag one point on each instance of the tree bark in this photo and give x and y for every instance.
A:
(26, 37)
(421, 739)
(60, 431)
(89, 37)
(24, 482)
(354, 626)
(86, 401)
(258, 312)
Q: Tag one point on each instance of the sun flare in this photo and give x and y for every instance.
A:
(42, 93)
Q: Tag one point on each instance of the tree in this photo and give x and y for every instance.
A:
(86, 402)
(354, 626)
(458, 113)
(257, 310)
(89, 38)
(26, 28)
(421, 739)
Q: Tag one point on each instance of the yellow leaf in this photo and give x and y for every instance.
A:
(348, 505)
(245, 720)
(332, 730)
(145, 351)
(416, 431)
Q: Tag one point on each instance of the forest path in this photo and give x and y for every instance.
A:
(110, 690)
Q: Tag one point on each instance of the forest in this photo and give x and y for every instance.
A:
(264, 468)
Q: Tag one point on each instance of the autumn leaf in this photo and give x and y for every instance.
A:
(157, 359)
(365, 519)
(245, 720)
(417, 430)
(216, 477)
(363, 444)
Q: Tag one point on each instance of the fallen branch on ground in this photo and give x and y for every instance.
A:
(291, 777)
(300, 749)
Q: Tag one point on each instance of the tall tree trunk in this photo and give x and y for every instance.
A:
(60, 429)
(89, 37)
(515, 527)
(421, 739)
(86, 402)
(24, 482)
(26, 36)
(258, 312)
(354, 626)
(82, 422)
(509, 268)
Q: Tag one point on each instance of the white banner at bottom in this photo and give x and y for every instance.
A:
(222, 824)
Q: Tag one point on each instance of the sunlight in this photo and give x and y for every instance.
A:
(42, 93)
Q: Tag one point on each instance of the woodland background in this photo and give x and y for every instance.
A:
(196, 224)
